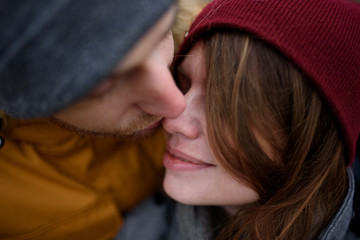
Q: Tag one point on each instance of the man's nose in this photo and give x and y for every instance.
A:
(161, 96)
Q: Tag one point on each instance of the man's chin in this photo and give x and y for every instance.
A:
(136, 129)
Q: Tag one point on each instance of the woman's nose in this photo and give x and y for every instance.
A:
(187, 123)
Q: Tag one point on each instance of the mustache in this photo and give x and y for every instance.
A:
(133, 129)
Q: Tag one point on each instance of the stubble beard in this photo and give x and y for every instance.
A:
(135, 128)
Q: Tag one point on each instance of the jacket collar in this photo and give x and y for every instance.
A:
(339, 225)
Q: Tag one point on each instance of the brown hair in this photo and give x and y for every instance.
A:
(254, 93)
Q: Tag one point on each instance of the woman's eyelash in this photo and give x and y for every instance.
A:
(183, 82)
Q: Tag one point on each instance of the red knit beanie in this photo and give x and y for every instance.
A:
(322, 37)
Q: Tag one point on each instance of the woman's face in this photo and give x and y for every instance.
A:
(193, 174)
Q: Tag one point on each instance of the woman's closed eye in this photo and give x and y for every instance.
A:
(183, 81)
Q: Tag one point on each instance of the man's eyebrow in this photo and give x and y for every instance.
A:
(168, 30)
(176, 5)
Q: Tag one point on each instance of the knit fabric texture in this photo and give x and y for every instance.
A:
(322, 37)
(52, 52)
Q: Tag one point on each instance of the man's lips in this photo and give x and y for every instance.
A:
(154, 125)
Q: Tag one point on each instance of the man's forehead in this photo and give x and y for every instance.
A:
(150, 40)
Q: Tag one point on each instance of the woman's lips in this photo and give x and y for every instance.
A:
(177, 161)
(154, 125)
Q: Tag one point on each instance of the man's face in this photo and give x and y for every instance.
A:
(139, 93)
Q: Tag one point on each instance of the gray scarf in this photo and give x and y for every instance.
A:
(195, 223)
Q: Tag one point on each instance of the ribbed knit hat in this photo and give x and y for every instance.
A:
(52, 52)
(322, 37)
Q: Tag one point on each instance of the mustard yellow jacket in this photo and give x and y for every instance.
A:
(57, 185)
